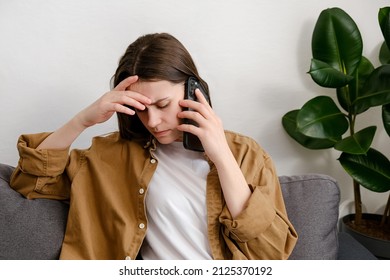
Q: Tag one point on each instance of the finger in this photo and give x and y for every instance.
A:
(201, 98)
(123, 109)
(123, 85)
(193, 116)
(129, 97)
(201, 108)
(196, 105)
(191, 104)
(190, 128)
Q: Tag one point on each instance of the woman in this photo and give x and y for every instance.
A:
(138, 192)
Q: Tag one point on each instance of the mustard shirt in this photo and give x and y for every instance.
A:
(106, 187)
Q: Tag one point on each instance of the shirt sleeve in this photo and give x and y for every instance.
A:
(40, 173)
(262, 230)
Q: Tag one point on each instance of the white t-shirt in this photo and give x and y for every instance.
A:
(176, 206)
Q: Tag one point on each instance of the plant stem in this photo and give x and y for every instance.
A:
(358, 203)
(356, 185)
(386, 213)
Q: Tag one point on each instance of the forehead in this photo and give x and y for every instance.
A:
(158, 89)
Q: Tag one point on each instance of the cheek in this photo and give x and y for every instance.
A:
(174, 111)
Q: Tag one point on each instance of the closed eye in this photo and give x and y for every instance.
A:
(159, 106)
(163, 105)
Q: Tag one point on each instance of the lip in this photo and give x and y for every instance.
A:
(161, 133)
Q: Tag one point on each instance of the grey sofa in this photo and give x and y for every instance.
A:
(34, 229)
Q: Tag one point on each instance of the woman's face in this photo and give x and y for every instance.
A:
(160, 117)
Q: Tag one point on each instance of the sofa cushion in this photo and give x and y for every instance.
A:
(29, 229)
(312, 203)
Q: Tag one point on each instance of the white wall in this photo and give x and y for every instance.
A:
(56, 57)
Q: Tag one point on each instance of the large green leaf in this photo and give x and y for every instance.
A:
(376, 90)
(386, 118)
(372, 171)
(337, 41)
(321, 118)
(359, 143)
(384, 54)
(325, 75)
(384, 23)
(348, 94)
(289, 122)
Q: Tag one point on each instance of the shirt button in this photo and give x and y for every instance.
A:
(141, 191)
(153, 161)
(128, 258)
(141, 225)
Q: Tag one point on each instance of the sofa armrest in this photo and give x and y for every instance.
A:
(312, 203)
(29, 229)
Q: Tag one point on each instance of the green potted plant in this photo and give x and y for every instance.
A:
(330, 121)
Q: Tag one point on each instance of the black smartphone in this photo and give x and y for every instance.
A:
(190, 141)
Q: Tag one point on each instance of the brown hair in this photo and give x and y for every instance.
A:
(153, 57)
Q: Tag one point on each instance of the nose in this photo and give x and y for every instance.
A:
(154, 118)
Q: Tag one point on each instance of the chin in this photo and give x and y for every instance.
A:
(165, 140)
(170, 138)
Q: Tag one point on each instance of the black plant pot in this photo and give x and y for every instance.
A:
(379, 247)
